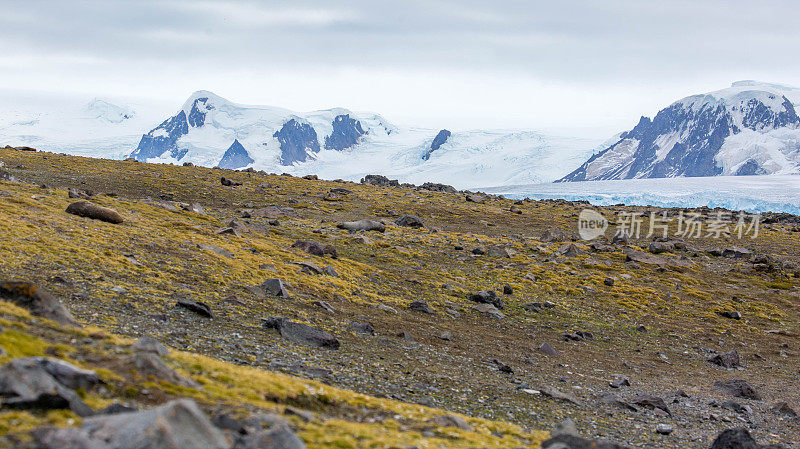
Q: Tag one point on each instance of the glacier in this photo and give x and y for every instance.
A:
(754, 194)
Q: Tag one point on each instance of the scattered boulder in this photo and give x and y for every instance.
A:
(500, 251)
(363, 328)
(487, 297)
(410, 221)
(420, 306)
(177, 424)
(664, 429)
(739, 439)
(489, 309)
(90, 210)
(37, 300)
(556, 394)
(569, 250)
(737, 388)
(476, 198)
(783, 409)
(362, 225)
(565, 427)
(508, 289)
(651, 402)
(274, 287)
(216, 250)
(546, 349)
(301, 333)
(619, 382)
(730, 314)
(538, 306)
(735, 252)
(379, 180)
(451, 421)
(79, 193)
(229, 182)
(41, 383)
(436, 187)
(280, 436)
(315, 248)
(726, 359)
(197, 307)
(150, 364)
(576, 442)
(553, 235)
(632, 255)
(150, 344)
(661, 247)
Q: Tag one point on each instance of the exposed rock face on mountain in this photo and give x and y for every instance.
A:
(438, 141)
(297, 141)
(346, 133)
(235, 157)
(747, 129)
(162, 139)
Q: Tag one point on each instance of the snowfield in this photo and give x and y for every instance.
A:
(775, 193)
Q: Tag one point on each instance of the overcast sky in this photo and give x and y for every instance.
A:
(580, 67)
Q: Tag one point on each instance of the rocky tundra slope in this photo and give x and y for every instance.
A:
(147, 305)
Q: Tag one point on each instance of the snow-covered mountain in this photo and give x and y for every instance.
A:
(750, 128)
(210, 131)
(82, 125)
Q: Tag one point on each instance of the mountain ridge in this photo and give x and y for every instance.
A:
(749, 128)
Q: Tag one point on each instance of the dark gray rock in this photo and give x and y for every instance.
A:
(274, 287)
(40, 383)
(379, 180)
(576, 442)
(545, 348)
(651, 402)
(737, 388)
(150, 364)
(487, 297)
(726, 359)
(279, 436)
(738, 439)
(421, 306)
(451, 421)
(437, 187)
(315, 248)
(301, 333)
(411, 221)
(178, 424)
(37, 300)
(197, 307)
(362, 328)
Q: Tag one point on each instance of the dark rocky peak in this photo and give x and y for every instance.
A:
(346, 133)
(758, 116)
(235, 157)
(297, 140)
(438, 141)
(163, 138)
(197, 114)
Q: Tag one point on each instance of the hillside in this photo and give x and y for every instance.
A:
(407, 347)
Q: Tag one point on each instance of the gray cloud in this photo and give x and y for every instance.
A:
(646, 48)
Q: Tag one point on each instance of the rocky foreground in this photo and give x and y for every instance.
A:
(162, 306)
